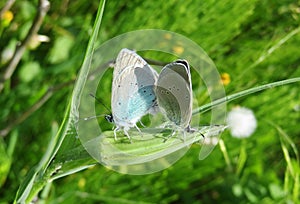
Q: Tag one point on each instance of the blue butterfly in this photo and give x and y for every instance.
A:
(132, 91)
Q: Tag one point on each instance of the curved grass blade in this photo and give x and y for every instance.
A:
(41, 174)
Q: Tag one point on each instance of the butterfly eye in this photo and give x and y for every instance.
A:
(109, 118)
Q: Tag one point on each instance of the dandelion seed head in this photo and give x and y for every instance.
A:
(241, 122)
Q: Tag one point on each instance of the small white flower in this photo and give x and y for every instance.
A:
(241, 122)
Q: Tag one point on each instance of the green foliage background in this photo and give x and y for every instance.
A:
(249, 40)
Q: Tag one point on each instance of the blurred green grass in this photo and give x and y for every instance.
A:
(234, 34)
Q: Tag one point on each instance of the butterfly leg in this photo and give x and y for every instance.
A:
(138, 129)
(184, 136)
(126, 133)
(142, 123)
(115, 132)
(171, 135)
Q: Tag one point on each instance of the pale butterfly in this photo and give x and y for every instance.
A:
(174, 93)
(132, 91)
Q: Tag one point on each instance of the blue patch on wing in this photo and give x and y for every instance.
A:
(140, 102)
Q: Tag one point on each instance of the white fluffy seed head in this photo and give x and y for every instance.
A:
(241, 122)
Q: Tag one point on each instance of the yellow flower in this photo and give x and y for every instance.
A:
(6, 18)
(81, 183)
(178, 49)
(225, 79)
(167, 36)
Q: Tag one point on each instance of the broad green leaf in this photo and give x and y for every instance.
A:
(149, 151)
(61, 49)
(29, 71)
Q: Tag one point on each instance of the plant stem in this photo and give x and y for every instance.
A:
(44, 6)
(34, 108)
(232, 97)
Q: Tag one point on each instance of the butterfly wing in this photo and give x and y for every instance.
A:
(132, 89)
(174, 92)
(127, 58)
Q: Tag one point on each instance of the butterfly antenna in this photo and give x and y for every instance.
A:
(99, 101)
(108, 117)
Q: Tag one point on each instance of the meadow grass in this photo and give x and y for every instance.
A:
(254, 42)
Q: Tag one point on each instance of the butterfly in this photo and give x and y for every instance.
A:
(132, 91)
(174, 93)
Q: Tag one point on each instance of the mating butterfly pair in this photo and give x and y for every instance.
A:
(137, 90)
